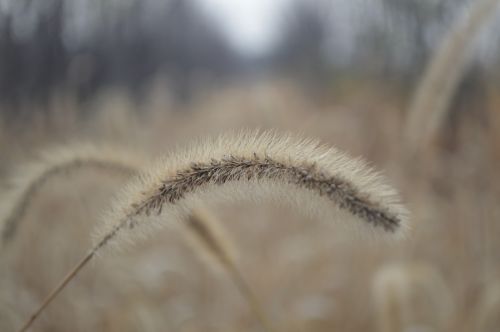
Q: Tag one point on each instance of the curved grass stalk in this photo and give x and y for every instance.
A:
(249, 165)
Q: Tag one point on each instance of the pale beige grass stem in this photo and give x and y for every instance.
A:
(442, 75)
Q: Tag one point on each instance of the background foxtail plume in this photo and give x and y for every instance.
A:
(211, 242)
(443, 74)
(52, 163)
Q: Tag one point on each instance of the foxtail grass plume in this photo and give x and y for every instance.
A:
(51, 164)
(251, 165)
(443, 74)
(312, 178)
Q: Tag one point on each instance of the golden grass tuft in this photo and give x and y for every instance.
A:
(207, 237)
(209, 240)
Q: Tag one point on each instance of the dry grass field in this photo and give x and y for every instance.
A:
(306, 274)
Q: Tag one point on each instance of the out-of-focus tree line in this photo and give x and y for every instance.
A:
(83, 46)
(80, 47)
(388, 39)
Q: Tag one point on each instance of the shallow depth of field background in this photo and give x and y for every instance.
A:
(153, 74)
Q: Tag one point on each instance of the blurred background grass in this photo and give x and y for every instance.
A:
(153, 74)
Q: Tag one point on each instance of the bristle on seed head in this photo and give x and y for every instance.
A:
(255, 165)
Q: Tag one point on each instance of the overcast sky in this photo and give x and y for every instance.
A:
(251, 25)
